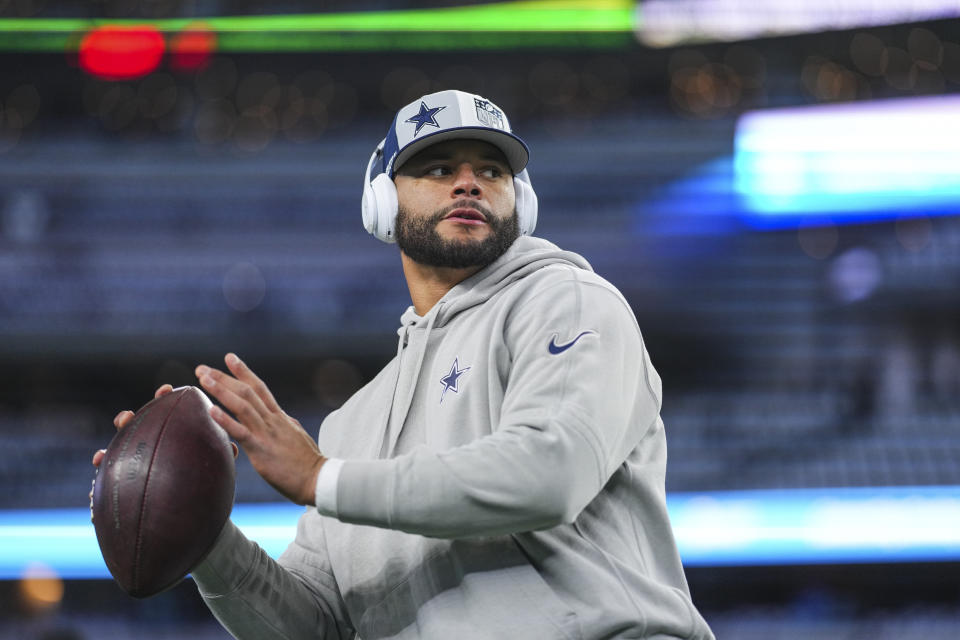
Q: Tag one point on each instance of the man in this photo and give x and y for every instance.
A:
(503, 475)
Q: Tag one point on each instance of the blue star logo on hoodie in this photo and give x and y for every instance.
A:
(451, 381)
(427, 116)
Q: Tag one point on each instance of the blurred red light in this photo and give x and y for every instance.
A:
(191, 49)
(117, 52)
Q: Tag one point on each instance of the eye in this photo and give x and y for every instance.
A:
(491, 172)
(439, 170)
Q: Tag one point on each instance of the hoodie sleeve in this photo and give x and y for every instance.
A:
(581, 396)
(254, 596)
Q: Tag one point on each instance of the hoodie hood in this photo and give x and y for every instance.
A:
(526, 255)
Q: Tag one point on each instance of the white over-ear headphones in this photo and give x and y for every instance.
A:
(379, 204)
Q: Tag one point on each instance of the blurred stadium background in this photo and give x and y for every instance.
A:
(774, 188)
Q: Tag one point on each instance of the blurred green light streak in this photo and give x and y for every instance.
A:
(528, 23)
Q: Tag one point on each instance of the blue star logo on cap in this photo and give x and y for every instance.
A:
(451, 381)
(427, 116)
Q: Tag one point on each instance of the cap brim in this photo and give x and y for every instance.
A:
(513, 148)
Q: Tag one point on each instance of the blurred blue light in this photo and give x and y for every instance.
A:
(772, 527)
(818, 526)
(700, 203)
(859, 161)
(64, 539)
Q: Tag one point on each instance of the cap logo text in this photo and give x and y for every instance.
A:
(489, 114)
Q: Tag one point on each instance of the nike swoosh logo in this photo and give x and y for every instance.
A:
(555, 348)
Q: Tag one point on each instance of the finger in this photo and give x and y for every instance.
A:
(98, 457)
(122, 418)
(245, 409)
(239, 368)
(236, 450)
(163, 390)
(236, 430)
(228, 390)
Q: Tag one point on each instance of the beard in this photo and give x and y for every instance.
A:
(420, 240)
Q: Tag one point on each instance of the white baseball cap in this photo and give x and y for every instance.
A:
(450, 115)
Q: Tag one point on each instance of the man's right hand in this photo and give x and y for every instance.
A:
(120, 421)
(123, 419)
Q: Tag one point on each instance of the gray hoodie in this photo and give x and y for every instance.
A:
(503, 478)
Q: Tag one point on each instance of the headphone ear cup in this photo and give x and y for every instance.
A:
(384, 193)
(526, 203)
(379, 202)
(368, 207)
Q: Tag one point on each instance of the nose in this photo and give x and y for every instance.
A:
(465, 182)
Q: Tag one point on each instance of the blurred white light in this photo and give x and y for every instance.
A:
(664, 23)
(818, 240)
(914, 234)
(244, 286)
(866, 157)
(855, 275)
(25, 216)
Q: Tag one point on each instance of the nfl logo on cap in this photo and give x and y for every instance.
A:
(488, 114)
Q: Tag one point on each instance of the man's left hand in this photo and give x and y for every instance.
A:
(278, 447)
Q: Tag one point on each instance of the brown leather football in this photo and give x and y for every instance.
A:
(163, 492)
